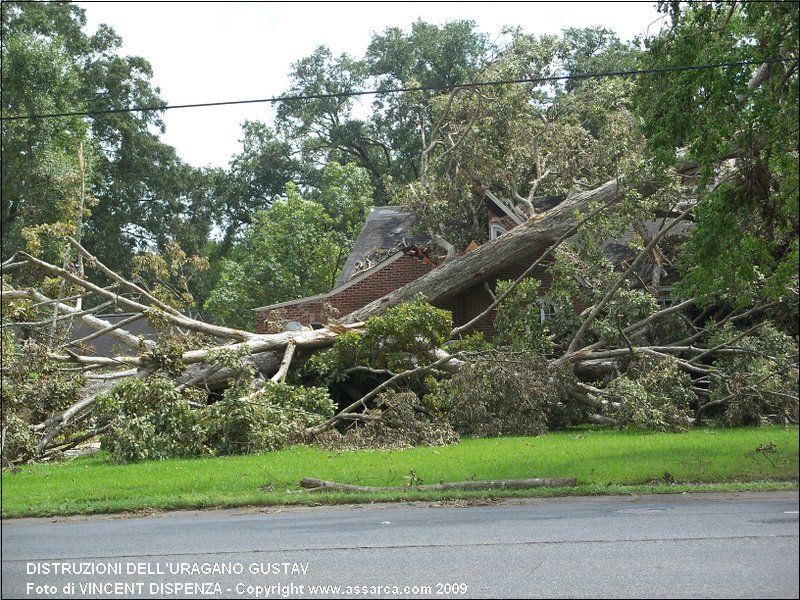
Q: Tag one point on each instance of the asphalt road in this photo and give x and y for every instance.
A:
(720, 545)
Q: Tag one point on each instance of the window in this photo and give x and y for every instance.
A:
(496, 230)
(665, 298)
(547, 310)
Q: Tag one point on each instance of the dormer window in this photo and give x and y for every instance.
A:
(496, 230)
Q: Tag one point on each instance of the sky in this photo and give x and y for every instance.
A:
(220, 51)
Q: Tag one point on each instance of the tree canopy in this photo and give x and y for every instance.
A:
(434, 149)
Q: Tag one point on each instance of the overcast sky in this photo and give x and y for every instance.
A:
(216, 51)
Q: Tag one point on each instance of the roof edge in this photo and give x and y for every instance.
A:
(502, 205)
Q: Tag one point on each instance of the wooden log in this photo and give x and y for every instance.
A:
(320, 485)
(287, 360)
(596, 369)
(120, 335)
(206, 375)
(526, 240)
(132, 305)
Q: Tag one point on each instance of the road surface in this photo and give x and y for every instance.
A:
(702, 545)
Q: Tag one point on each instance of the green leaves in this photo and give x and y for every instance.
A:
(268, 420)
(295, 248)
(518, 321)
(504, 393)
(400, 339)
(149, 419)
(653, 394)
(760, 382)
(744, 241)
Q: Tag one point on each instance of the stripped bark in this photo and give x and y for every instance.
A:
(179, 320)
(120, 335)
(287, 360)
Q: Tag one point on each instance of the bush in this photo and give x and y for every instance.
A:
(149, 419)
(400, 339)
(503, 394)
(653, 394)
(19, 442)
(395, 424)
(34, 387)
(759, 384)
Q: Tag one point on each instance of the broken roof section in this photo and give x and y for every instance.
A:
(387, 231)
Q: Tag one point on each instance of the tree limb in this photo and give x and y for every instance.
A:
(287, 359)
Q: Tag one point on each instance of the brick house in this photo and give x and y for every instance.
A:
(387, 255)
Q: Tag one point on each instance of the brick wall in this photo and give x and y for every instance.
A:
(475, 299)
(394, 275)
(464, 306)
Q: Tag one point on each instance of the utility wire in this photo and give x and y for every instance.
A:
(423, 88)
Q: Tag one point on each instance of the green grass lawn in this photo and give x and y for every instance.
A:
(604, 461)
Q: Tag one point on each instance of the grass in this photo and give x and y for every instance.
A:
(604, 462)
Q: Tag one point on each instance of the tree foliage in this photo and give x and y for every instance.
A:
(653, 394)
(402, 338)
(142, 194)
(745, 238)
(760, 384)
(591, 341)
(505, 393)
(294, 248)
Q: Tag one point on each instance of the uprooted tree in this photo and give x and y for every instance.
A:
(397, 371)
(200, 387)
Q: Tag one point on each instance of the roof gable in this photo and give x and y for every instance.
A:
(386, 231)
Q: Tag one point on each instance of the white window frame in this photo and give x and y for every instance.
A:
(546, 310)
(496, 230)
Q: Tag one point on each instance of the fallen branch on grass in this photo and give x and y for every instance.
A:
(320, 485)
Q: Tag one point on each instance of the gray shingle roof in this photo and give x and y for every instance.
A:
(386, 230)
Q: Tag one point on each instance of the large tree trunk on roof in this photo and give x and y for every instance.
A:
(529, 239)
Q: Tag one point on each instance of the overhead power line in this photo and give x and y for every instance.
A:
(422, 88)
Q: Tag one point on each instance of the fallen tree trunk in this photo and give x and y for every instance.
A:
(215, 377)
(531, 238)
(118, 334)
(320, 485)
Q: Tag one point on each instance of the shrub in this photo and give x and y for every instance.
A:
(268, 420)
(396, 422)
(503, 394)
(19, 442)
(34, 387)
(760, 383)
(400, 339)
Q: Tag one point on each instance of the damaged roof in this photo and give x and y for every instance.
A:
(386, 231)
